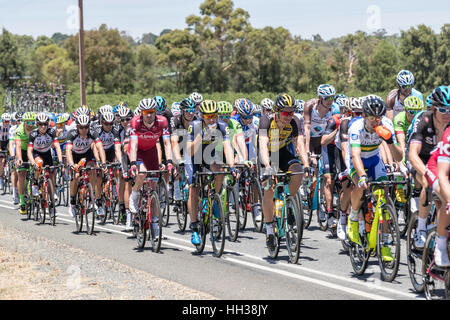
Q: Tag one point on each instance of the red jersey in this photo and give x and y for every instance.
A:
(147, 137)
(440, 154)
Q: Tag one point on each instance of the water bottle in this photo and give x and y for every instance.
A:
(369, 216)
(278, 208)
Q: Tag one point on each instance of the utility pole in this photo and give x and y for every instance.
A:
(81, 57)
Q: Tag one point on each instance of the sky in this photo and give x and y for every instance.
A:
(304, 18)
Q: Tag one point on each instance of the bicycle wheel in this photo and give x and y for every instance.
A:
(433, 288)
(322, 208)
(359, 255)
(232, 214)
(80, 209)
(155, 212)
(51, 202)
(388, 238)
(294, 229)
(163, 201)
(203, 230)
(42, 203)
(181, 211)
(217, 226)
(36, 209)
(90, 209)
(255, 199)
(414, 256)
(306, 205)
(402, 217)
(273, 252)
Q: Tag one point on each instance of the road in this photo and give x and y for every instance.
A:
(324, 271)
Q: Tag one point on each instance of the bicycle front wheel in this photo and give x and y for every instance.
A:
(359, 255)
(164, 201)
(434, 288)
(255, 198)
(414, 256)
(294, 229)
(89, 209)
(217, 226)
(155, 236)
(232, 212)
(388, 244)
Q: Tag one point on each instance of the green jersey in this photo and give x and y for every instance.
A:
(401, 123)
(235, 128)
(21, 135)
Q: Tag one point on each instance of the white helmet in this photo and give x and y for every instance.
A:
(147, 104)
(137, 111)
(356, 104)
(6, 116)
(82, 110)
(175, 109)
(108, 116)
(267, 104)
(105, 108)
(42, 117)
(325, 90)
(196, 97)
(405, 77)
(123, 111)
(83, 120)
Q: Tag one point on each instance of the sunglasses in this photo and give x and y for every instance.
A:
(330, 98)
(42, 124)
(225, 116)
(189, 111)
(246, 117)
(147, 112)
(406, 86)
(287, 113)
(443, 110)
(29, 123)
(210, 116)
(373, 118)
(125, 119)
(83, 127)
(108, 123)
(358, 114)
(412, 111)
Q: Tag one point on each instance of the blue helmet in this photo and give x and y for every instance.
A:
(441, 96)
(244, 106)
(335, 109)
(429, 101)
(299, 106)
(161, 104)
(405, 78)
(187, 104)
(325, 91)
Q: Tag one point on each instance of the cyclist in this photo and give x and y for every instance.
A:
(198, 99)
(110, 137)
(12, 151)
(267, 106)
(204, 135)
(428, 129)
(300, 105)
(316, 115)
(395, 99)
(4, 141)
(40, 144)
(21, 137)
(443, 169)
(144, 149)
(281, 134)
(243, 130)
(82, 144)
(365, 138)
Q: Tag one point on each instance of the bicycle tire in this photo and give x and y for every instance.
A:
(181, 210)
(217, 237)
(42, 196)
(114, 211)
(403, 227)
(203, 230)
(232, 216)
(414, 256)
(51, 202)
(155, 208)
(389, 217)
(243, 207)
(359, 256)
(35, 205)
(306, 202)
(321, 207)
(80, 210)
(163, 201)
(273, 252)
(294, 229)
(434, 289)
(90, 209)
(256, 204)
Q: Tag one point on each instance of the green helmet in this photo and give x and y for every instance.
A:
(62, 118)
(224, 107)
(29, 116)
(413, 103)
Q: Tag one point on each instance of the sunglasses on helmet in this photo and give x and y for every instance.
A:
(150, 111)
(210, 116)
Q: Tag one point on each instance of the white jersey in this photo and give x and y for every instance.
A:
(398, 105)
(318, 124)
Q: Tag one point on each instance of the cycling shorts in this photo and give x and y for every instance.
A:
(329, 159)
(89, 155)
(149, 158)
(373, 166)
(46, 157)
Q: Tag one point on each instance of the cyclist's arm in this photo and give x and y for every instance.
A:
(229, 154)
(344, 147)
(69, 158)
(299, 143)
(175, 148)
(99, 151)
(357, 162)
(133, 148)
(414, 151)
(241, 147)
(18, 149)
(307, 124)
(263, 149)
(167, 148)
(159, 150)
(30, 155)
(443, 172)
(57, 147)
(390, 101)
(118, 151)
(401, 138)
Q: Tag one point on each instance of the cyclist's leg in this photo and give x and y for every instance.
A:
(328, 166)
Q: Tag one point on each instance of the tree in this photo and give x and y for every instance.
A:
(383, 67)
(10, 64)
(146, 61)
(149, 38)
(59, 38)
(441, 73)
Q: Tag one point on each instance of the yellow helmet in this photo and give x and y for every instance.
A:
(208, 106)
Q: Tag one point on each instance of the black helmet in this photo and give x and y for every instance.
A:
(374, 107)
(284, 101)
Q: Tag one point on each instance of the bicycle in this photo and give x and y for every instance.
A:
(7, 169)
(46, 189)
(381, 235)
(85, 202)
(317, 201)
(288, 220)
(230, 201)
(436, 280)
(180, 206)
(149, 212)
(62, 184)
(110, 193)
(415, 255)
(212, 217)
(164, 200)
(251, 195)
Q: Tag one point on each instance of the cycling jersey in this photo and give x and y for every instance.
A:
(4, 132)
(398, 105)
(423, 132)
(148, 137)
(109, 139)
(211, 136)
(279, 139)
(318, 124)
(440, 154)
(250, 133)
(80, 145)
(42, 143)
(22, 136)
(401, 123)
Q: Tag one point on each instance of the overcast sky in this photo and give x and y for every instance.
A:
(329, 18)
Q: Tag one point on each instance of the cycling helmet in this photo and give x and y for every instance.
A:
(325, 91)
(42, 117)
(62, 118)
(175, 109)
(343, 104)
(187, 104)
(82, 110)
(13, 116)
(244, 106)
(413, 103)
(29, 116)
(339, 95)
(224, 107)
(258, 109)
(300, 105)
(267, 104)
(196, 97)
(147, 104)
(83, 120)
(404, 78)
(429, 101)
(374, 107)
(161, 104)
(6, 117)
(19, 116)
(123, 111)
(441, 96)
(283, 101)
(137, 111)
(107, 116)
(105, 108)
(355, 104)
(208, 106)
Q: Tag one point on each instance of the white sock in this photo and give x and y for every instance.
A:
(441, 243)
(343, 218)
(362, 225)
(421, 224)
